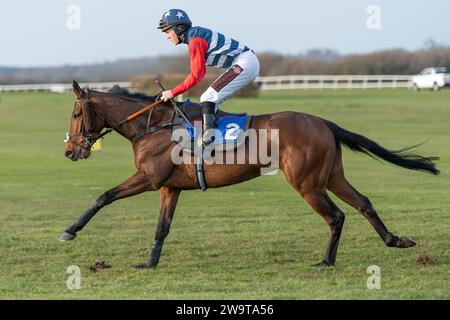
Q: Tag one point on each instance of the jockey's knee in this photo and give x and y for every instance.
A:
(210, 95)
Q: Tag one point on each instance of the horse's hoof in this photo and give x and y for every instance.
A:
(144, 266)
(67, 236)
(406, 242)
(322, 263)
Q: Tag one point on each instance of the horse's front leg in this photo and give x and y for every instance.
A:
(136, 184)
(168, 202)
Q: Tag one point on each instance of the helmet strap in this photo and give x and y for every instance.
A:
(181, 38)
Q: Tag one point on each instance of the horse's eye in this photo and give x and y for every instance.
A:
(76, 114)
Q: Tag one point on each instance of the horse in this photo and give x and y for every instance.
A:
(310, 156)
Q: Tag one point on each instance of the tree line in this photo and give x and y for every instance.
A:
(316, 62)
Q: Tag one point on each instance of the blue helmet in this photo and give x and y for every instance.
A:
(176, 19)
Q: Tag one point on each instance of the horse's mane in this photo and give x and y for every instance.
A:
(118, 91)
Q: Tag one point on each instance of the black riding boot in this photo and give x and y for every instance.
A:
(208, 112)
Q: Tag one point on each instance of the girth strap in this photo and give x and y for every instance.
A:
(151, 129)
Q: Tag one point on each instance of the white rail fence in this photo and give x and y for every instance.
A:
(266, 83)
(334, 82)
(61, 87)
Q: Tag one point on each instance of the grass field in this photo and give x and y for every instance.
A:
(254, 240)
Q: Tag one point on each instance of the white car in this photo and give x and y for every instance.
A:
(431, 78)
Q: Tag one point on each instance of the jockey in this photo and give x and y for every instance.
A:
(209, 48)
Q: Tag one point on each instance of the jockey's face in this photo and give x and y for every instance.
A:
(172, 36)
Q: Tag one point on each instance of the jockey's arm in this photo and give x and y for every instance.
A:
(197, 52)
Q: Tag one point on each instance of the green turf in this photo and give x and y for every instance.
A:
(254, 240)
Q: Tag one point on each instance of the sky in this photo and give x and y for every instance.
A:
(50, 33)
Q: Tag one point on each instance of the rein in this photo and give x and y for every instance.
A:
(134, 115)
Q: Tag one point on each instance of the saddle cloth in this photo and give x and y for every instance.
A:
(229, 128)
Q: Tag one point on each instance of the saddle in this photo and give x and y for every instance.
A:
(229, 128)
(193, 111)
(229, 134)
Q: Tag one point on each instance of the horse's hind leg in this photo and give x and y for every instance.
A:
(312, 189)
(321, 203)
(308, 175)
(345, 191)
(333, 216)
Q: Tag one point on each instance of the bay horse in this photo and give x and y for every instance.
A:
(310, 157)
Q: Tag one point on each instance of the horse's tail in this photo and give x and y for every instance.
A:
(357, 142)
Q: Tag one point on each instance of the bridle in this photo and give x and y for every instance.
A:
(90, 139)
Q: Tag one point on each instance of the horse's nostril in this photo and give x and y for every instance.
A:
(69, 154)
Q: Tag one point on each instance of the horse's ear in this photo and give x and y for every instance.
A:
(76, 89)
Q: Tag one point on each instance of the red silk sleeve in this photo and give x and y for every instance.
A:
(197, 52)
